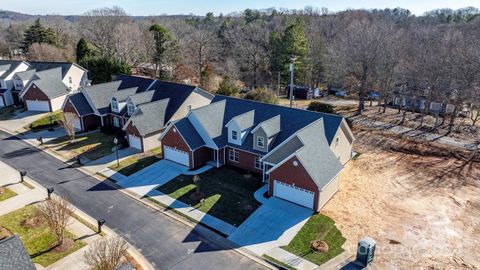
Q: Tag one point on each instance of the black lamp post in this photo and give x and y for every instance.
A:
(50, 190)
(40, 139)
(50, 118)
(115, 141)
(100, 223)
(22, 175)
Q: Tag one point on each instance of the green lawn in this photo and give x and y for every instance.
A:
(92, 145)
(44, 122)
(6, 113)
(134, 164)
(317, 227)
(228, 194)
(37, 240)
(7, 194)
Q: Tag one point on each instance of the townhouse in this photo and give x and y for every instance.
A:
(299, 153)
(40, 86)
(140, 107)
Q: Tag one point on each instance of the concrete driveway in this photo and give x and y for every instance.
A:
(273, 224)
(20, 120)
(151, 177)
(46, 134)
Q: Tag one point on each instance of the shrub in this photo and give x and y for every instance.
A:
(318, 106)
(262, 95)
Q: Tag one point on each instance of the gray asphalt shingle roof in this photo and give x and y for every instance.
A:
(215, 116)
(100, 94)
(13, 255)
(150, 117)
(271, 126)
(316, 155)
(8, 66)
(244, 121)
(129, 81)
(141, 98)
(52, 87)
(81, 104)
(26, 75)
(194, 140)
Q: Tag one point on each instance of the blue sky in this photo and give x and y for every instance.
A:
(200, 7)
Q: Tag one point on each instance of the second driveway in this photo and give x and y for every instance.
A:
(274, 224)
(153, 176)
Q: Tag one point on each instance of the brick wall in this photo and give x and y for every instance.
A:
(246, 161)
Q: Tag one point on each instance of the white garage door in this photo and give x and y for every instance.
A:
(294, 194)
(135, 142)
(37, 105)
(176, 155)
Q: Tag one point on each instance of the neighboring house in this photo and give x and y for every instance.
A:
(150, 112)
(13, 255)
(92, 104)
(8, 68)
(299, 153)
(46, 92)
(71, 75)
(132, 104)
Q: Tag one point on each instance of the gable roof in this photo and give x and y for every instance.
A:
(52, 87)
(150, 117)
(122, 95)
(13, 255)
(271, 126)
(8, 66)
(215, 116)
(63, 66)
(316, 156)
(99, 95)
(143, 97)
(53, 73)
(26, 75)
(244, 121)
(80, 103)
(194, 140)
(129, 81)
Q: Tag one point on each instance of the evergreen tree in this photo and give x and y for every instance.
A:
(36, 33)
(294, 44)
(227, 87)
(82, 50)
(101, 69)
(162, 38)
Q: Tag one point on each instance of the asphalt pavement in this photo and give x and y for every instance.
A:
(165, 242)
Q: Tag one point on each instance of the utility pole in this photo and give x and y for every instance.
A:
(291, 80)
(278, 84)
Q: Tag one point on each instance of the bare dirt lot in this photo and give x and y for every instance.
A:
(420, 202)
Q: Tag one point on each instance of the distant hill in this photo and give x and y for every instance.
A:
(7, 15)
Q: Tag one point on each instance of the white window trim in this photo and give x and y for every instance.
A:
(130, 109)
(260, 138)
(233, 155)
(114, 105)
(116, 122)
(258, 162)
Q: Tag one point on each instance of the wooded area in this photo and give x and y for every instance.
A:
(434, 55)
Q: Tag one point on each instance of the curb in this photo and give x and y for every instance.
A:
(207, 233)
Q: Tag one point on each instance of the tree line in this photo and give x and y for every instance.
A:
(434, 55)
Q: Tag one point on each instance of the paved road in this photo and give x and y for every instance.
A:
(166, 243)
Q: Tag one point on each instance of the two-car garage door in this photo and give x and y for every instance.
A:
(294, 194)
(38, 105)
(176, 155)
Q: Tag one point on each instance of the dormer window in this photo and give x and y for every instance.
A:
(130, 109)
(114, 105)
(260, 141)
(234, 135)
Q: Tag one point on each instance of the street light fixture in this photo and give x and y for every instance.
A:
(22, 175)
(115, 141)
(292, 68)
(50, 190)
(100, 223)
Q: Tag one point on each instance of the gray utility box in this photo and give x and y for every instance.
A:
(365, 251)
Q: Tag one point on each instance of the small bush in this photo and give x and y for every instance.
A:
(318, 106)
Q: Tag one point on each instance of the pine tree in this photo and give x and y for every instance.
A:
(161, 37)
(36, 33)
(82, 51)
(294, 44)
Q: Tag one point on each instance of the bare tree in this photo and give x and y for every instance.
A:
(69, 124)
(106, 254)
(48, 53)
(130, 43)
(201, 49)
(99, 27)
(57, 212)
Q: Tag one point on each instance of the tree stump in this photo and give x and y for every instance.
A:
(319, 246)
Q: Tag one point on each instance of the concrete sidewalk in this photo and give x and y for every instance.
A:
(291, 259)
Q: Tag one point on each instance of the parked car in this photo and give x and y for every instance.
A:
(373, 95)
(341, 93)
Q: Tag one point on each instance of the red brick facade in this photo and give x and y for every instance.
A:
(69, 108)
(35, 93)
(290, 174)
(173, 139)
(201, 156)
(88, 122)
(246, 160)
